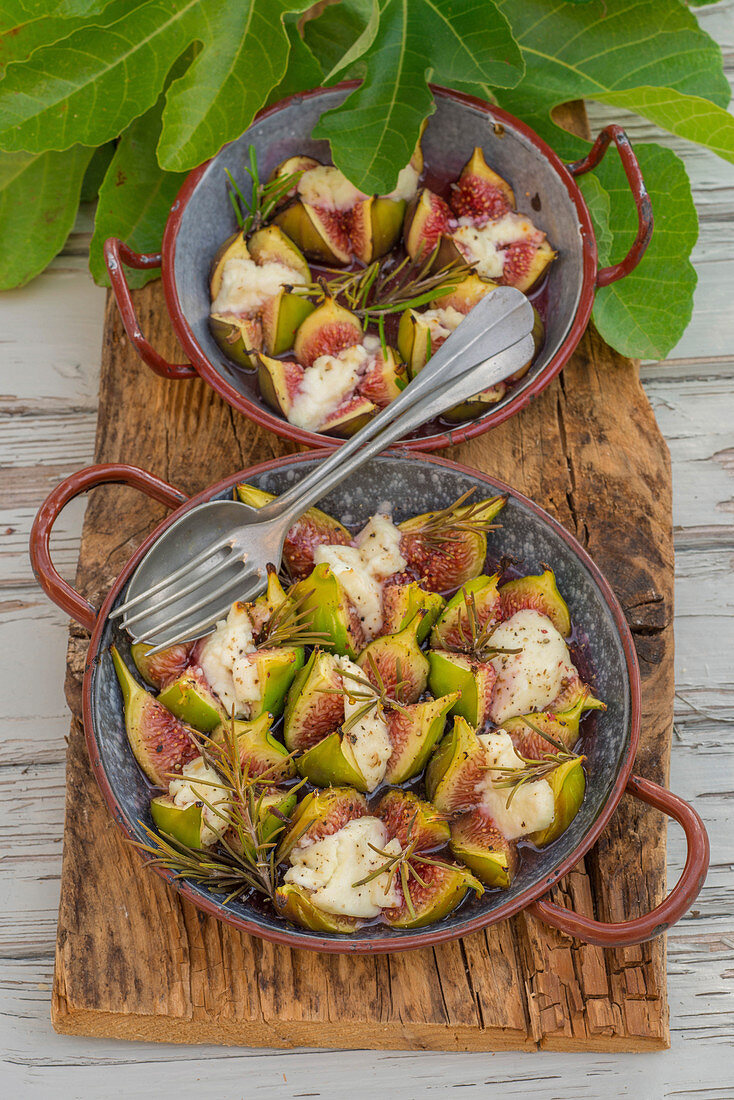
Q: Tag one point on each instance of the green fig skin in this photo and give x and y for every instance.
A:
(457, 883)
(293, 903)
(402, 602)
(327, 765)
(237, 338)
(277, 669)
(459, 751)
(404, 810)
(491, 857)
(537, 593)
(448, 564)
(234, 248)
(471, 679)
(192, 702)
(273, 598)
(320, 813)
(311, 705)
(282, 319)
(297, 223)
(271, 245)
(324, 597)
(451, 630)
(568, 783)
(161, 667)
(421, 726)
(182, 825)
(562, 726)
(492, 868)
(390, 649)
(259, 749)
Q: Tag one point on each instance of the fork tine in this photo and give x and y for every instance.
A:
(238, 578)
(200, 559)
(199, 629)
(179, 593)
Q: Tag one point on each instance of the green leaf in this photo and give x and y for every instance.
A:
(135, 197)
(26, 26)
(39, 196)
(600, 206)
(303, 71)
(645, 314)
(336, 29)
(96, 170)
(373, 133)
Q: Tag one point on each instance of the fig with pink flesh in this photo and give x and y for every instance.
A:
(442, 887)
(537, 593)
(465, 294)
(479, 192)
(314, 528)
(525, 262)
(272, 599)
(446, 549)
(384, 379)
(319, 814)
(315, 705)
(162, 667)
(160, 743)
(279, 381)
(402, 602)
(351, 415)
(375, 226)
(320, 235)
(477, 842)
(426, 220)
(471, 678)
(572, 689)
(410, 819)
(328, 330)
(561, 725)
(477, 603)
(292, 166)
(260, 751)
(415, 730)
(401, 665)
(455, 769)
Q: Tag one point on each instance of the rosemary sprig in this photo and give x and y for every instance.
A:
(450, 523)
(245, 862)
(403, 864)
(372, 695)
(476, 638)
(513, 779)
(253, 213)
(290, 624)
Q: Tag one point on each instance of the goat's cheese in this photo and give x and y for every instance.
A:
(326, 385)
(366, 744)
(482, 247)
(327, 187)
(195, 785)
(229, 664)
(529, 680)
(246, 287)
(406, 186)
(531, 808)
(330, 867)
(441, 322)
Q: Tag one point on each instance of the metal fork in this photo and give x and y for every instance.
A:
(218, 552)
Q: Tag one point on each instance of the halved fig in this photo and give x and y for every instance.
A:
(276, 670)
(319, 236)
(375, 226)
(525, 262)
(479, 192)
(402, 602)
(568, 783)
(292, 166)
(160, 743)
(330, 764)
(273, 807)
(476, 406)
(477, 599)
(271, 245)
(420, 335)
(162, 667)
(538, 335)
(273, 598)
(414, 732)
(328, 330)
(477, 842)
(184, 824)
(384, 379)
(455, 769)
(190, 699)
(466, 294)
(314, 528)
(240, 338)
(572, 690)
(562, 725)
(294, 904)
(234, 248)
(331, 610)
(537, 593)
(282, 316)
(400, 663)
(315, 706)
(445, 554)
(351, 415)
(471, 679)
(427, 218)
(259, 750)
(320, 814)
(410, 819)
(195, 811)
(279, 381)
(441, 890)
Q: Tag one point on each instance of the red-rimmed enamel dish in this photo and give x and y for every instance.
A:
(202, 217)
(414, 485)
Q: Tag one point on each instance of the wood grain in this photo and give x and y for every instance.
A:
(589, 450)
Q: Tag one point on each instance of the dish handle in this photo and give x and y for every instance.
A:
(59, 590)
(678, 901)
(116, 252)
(631, 165)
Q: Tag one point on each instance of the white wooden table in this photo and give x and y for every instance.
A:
(49, 352)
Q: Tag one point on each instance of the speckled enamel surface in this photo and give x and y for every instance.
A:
(411, 486)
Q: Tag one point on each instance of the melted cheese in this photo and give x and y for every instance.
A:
(366, 744)
(326, 384)
(407, 184)
(246, 287)
(227, 661)
(330, 867)
(482, 247)
(529, 680)
(441, 322)
(361, 569)
(328, 188)
(190, 789)
(531, 808)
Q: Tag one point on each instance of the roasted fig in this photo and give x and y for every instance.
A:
(259, 750)
(414, 732)
(476, 606)
(271, 245)
(397, 660)
(282, 316)
(160, 743)
(525, 262)
(234, 248)
(427, 218)
(320, 814)
(409, 819)
(191, 700)
(279, 381)
(330, 764)
(332, 612)
(537, 593)
(470, 678)
(465, 295)
(562, 726)
(276, 670)
(272, 599)
(295, 167)
(478, 843)
(568, 783)
(455, 769)
(448, 548)
(294, 904)
(479, 192)
(328, 330)
(375, 226)
(572, 690)
(384, 379)
(349, 417)
(319, 236)
(402, 602)
(273, 808)
(194, 811)
(440, 891)
(162, 667)
(476, 406)
(240, 338)
(314, 528)
(315, 705)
